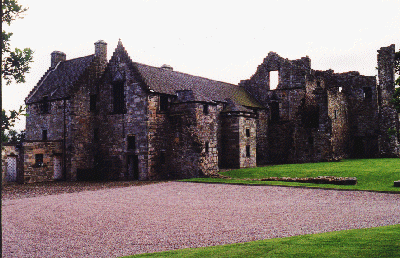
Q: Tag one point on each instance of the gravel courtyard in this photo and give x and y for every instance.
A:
(114, 222)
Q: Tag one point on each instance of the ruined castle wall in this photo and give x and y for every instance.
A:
(338, 114)
(388, 142)
(262, 137)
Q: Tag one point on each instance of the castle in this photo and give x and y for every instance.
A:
(94, 119)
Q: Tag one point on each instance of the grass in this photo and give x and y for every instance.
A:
(373, 242)
(372, 174)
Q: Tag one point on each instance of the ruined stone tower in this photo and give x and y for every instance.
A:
(388, 116)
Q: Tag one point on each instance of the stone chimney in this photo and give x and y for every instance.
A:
(100, 50)
(56, 57)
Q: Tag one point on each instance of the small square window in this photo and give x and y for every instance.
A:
(247, 132)
(248, 151)
(39, 160)
(44, 135)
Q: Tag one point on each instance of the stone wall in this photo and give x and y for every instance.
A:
(388, 143)
(40, 172)
(15, 151)
(112, 156)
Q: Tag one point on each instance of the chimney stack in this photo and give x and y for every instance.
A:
(56, 57)
(100, 50)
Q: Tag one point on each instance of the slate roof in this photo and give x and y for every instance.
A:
(166, 81)
(57, 82)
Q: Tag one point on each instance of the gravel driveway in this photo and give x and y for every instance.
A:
(173, 215)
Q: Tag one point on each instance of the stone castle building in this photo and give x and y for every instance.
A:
(90, 118)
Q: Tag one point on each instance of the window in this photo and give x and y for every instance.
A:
(248, 151)
(118, 98)
(273, 80)
(44, 135)
(205, 109)
(247, 132)
(44, 106)
(274, 111)
(206, 147)
(340, 89)
(367, 91)
(39, 160)
(131, 142)
(335, 115)
(163, 103)
(92, 102)
(318, 84)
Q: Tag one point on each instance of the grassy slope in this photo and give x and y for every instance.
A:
(373, 242)
(372, 174)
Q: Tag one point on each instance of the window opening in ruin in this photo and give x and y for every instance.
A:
(119, 98)
(44, 135)
(318, 84)
(206, 147)
(39, 160)
(274, 111)
(131, 142)
(247, 150)
(367, 91)
(335, 114)
(95, 134)
(340, 89)
(273, 79)
(44, 106)
(205, 109)
(92, 101)
(162, 157)
(247, 132)
(163, 103)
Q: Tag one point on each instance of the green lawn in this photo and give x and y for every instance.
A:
(372, 174)
(374, 242)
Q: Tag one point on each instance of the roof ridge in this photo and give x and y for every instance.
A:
(197, 76)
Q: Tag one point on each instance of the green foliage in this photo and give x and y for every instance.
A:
(372, 242)
(396, 97)
(372, 174)
(13, 136)
(14, 63)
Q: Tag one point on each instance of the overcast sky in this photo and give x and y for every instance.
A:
(221, 40)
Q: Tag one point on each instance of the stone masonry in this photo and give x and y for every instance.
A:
(93, 119)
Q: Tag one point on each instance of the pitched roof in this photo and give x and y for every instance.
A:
(167, 81)
(57, 82)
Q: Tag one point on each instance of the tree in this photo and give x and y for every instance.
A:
(396, 96)
(14, 64)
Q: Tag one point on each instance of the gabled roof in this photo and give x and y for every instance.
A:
(166, 81)
(58, 82)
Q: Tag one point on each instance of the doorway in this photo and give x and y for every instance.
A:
(133, 167)
(12, 168)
